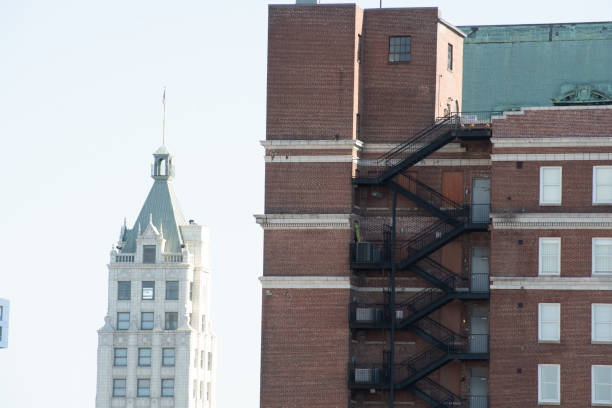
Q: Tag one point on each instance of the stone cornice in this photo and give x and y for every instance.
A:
(311, 144)
(586, 156)
(552, 283)
(506, 142)
(304, 221)
(552, 221)
(322, 282)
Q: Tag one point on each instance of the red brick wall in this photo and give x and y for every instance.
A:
(311, 71)
(304, 348)
(397, 99)
(514, 345)
(308, 188)
(307, 252)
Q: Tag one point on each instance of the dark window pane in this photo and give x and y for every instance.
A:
(119, 388)
(168, 357)
(171, 320)
(120, 357)
(144, 388)
(148, 290)
(148, 254)
(172, 290)
(167, 388)
(144, 357)
(124, 290)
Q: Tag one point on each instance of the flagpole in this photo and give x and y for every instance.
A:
(164, 117)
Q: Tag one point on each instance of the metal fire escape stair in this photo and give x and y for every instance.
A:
(454, 219)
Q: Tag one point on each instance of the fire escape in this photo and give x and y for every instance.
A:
(413, 254)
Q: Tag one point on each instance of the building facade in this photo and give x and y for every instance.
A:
(156, 348)
(418, 254)
(4, 322)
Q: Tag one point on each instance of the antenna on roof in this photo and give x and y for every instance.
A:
(164, 117)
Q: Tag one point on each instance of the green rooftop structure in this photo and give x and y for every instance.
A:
(511, 66)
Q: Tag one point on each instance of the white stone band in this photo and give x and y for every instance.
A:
(552, 221)
(551, 283)
(304, 221)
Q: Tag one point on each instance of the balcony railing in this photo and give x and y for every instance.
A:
(477, 401)
(166, 258)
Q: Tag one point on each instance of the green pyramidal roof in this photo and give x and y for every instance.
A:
(161, 206)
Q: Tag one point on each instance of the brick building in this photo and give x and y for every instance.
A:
(415, 253)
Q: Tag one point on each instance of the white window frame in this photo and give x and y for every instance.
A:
(593, 383)
(595, 199)
(542, 202)
(557, 321)
(595, 242)
(549, 401)
(549, 240)
(593, 324)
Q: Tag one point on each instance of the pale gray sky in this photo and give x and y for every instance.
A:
(80, 115)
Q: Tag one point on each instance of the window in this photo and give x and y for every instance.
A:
(144, 357)
(120, 357)
(359, 40)
(209, 361)
(144, 388)
(0, 333)
(208, 391)
(548, 383)
(601, 384)
(119, 387)
(167, 389)
(124, 290)
(171, 320)
(602, 256)
(1, 312)
(399, 49)
(172, 290)
(550, 256)
(190, 290)
(450, 57)
(203, 323)
(148, 290)
(123, 321)
(549, 322)
(201, 389)
(601, 323)
(195, 389)
(550, 185)
(148, 254)
(168, 357)
(602, 185)
(146, 321)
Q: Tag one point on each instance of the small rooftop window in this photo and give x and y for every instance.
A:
(148, 254)
(399, 49)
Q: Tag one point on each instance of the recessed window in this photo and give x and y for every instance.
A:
(168, 357)
(549, 322)
(203, 323)
(399, 49)
(1, 313)
(148, 254)
(550, 256)
(601, 384)
(190, 290)
(144, 387)
(202, 359)
(146, 321)
(167, 389)
(601, 323)
(123, 321)
(550, 185)
(148, 290)
(549, 383)
(602, 256)
(124, 290)
(201, 390)
(172, 290)
(209, 361)
(120, 359)
(144, 357)
(208, 391)
(449, 64)
(119, 387)
(171, 320)
(602, 185)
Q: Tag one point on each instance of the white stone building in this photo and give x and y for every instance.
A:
(4, 322)
(156, 348)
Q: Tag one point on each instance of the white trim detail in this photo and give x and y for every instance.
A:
(548, 108)
(506, 142)
(385, 147)
(550, 283)
(312, 144)
(347, 158)
(552, 157)
(303, 221)
(434, 162)
(552, 221)
(321, 282)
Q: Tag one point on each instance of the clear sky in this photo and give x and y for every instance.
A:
(80, 115)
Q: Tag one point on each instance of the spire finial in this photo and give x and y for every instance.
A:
(164, 117)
